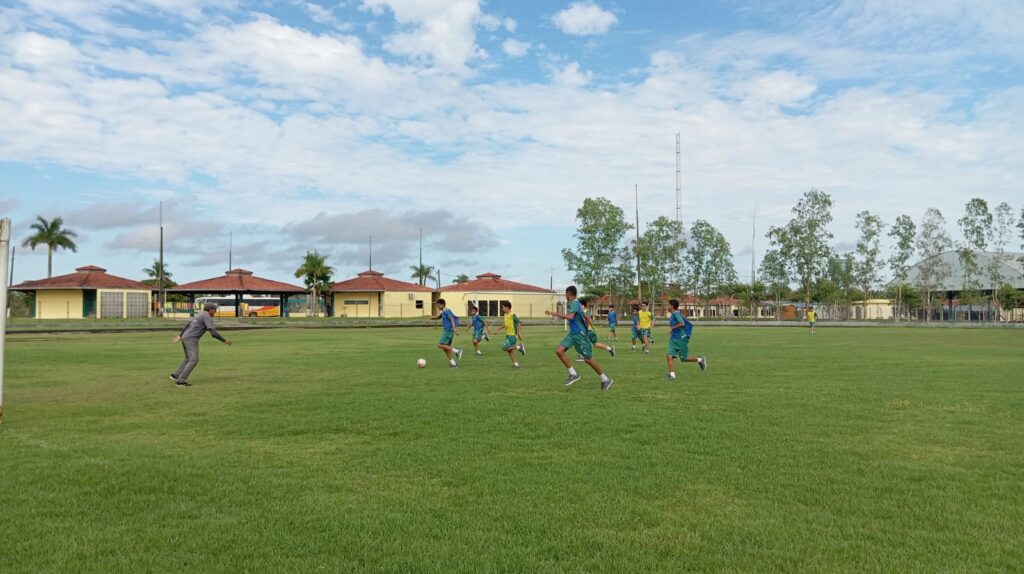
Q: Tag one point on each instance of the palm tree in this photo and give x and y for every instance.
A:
(422, 272)
(462, 278)
(153, 272)
(53, 235)
(317, 274)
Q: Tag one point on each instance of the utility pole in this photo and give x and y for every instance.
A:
(5, 243)
(371, 253)
(753, 257)
(679, 184)
(636, 201)
(160, 275)
(231, 245)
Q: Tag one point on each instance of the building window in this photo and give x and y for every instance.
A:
(112, 305)
(138, 305)
(357, 301)
(419, 304)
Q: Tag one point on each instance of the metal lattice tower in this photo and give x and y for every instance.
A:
(679, 184)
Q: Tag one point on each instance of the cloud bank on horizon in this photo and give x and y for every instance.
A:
(313, 125)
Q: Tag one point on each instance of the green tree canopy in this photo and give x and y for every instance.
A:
(601, 227)
(53, 235)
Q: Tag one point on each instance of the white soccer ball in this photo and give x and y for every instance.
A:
(421, 363)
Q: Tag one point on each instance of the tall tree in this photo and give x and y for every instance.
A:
(53, 235)
(804, 242)
(975, 226)
(707, 262)
(1000, 235)
(867, 272)
(1020, 226)
(462, 278)
(902, 232)
(316, 273)
(661, 247)
(775, 274)
(601, 226)
(421, 273)
(932, 241)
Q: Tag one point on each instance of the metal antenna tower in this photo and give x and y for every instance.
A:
(679, 184)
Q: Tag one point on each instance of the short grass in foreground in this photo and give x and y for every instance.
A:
(855, 449)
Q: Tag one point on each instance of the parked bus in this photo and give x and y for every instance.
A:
(251, 306)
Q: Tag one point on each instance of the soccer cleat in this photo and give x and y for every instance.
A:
(633, 350)
(479, 353)
(458, 354)
(647, 351)
(606, 385)
(611, 350)
(173, 378)
(486, 338)
(515, 365)
(182, 384)
(703, 362)
(572, 379)
(670, 377)
(453, 365)
(522, 348)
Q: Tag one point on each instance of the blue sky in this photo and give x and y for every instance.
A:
(299, 125)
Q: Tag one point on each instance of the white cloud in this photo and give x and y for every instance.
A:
(509, 24)
(584, 19)
(570, 76)
(515, 48)
(441, 31)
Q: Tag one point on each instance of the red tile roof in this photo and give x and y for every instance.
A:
(493, 282)
(376, 281)
(88, 277)
(237, 281)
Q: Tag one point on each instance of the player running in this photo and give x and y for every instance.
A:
(513, 334)
(591, 333)
(680, 331)
(644, 324)
(577, 338)
(812, 317)
(480, 329)
(449, 321)
(636, 330)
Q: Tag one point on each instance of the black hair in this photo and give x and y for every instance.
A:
(506, 304)
(674, 303)
(571, 289)
(473, 308)
(612, 306)
(441, 302)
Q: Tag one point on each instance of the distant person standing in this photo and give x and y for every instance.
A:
(644, 325)
(189, 337)
(613, 322)
(812, 317)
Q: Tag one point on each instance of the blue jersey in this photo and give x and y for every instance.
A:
(578, 324)
(478, 322)
(613, 318)
(449, 320)
(676, 319)
(636, 321)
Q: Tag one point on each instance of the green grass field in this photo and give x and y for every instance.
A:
(883, 450)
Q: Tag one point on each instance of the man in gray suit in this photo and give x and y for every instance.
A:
(189, 337)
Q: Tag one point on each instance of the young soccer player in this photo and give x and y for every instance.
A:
(513, 334)
(613, 322)
(591, 333)
(636, 329)
(645, 322)
(449, 321)
(680, 331)
(480, 329)
(577, 338)
(812, 317)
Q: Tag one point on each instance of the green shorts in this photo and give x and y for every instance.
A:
(679, 347)
(636, 333)
(592, 336)
(510, 342)
(446, 338)
(611, 328)
(580, 342)
(478, 335)
(643, 333)
(812, 324)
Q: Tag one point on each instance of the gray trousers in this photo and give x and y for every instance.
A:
(191, 347)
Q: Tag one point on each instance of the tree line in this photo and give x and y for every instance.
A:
(801, 262)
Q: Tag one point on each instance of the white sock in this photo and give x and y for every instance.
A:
(572, 371)
(452, 362)
(604, 378)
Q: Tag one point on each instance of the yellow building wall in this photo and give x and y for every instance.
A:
(59, 304)
(523, 304)
(396, 304)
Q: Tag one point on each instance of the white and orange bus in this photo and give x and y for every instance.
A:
(251, 306)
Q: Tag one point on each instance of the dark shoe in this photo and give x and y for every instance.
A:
(173, 378)
(572, 379)
(606, 385)
(183, 384)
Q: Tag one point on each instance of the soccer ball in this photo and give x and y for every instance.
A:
(421, 363)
